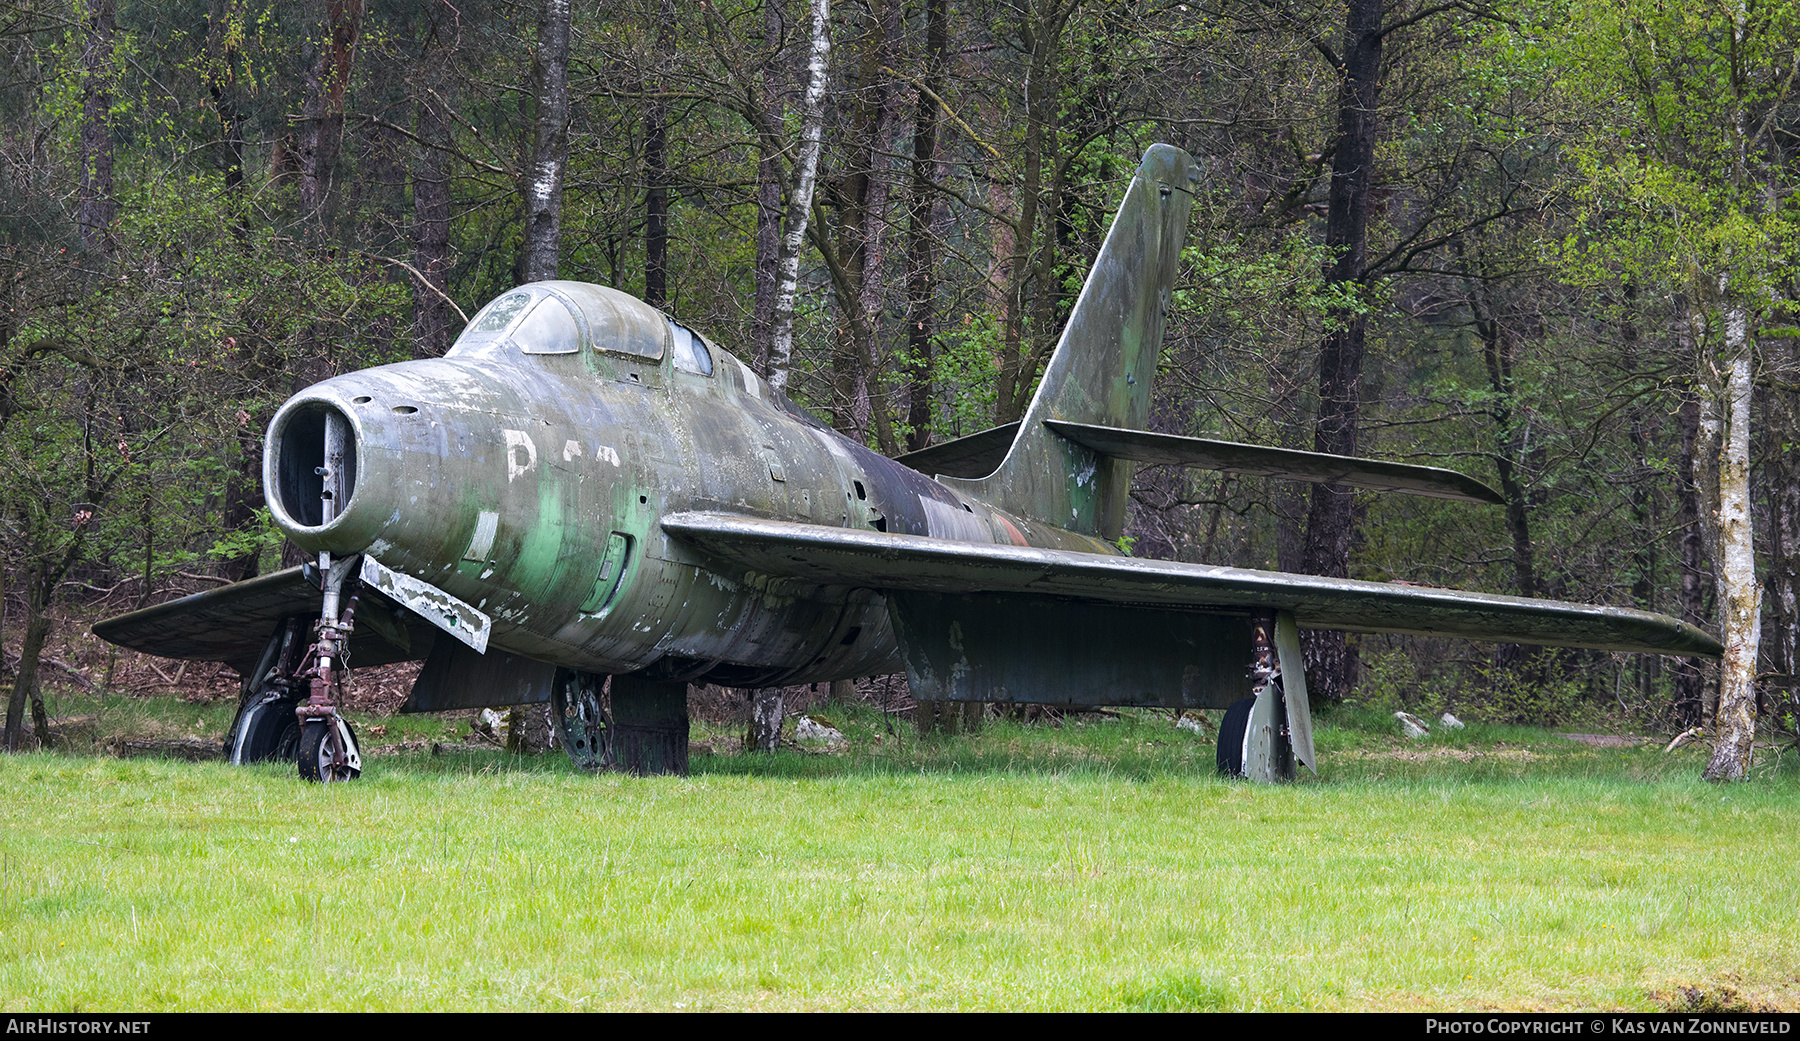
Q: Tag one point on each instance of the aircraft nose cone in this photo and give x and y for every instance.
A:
(316, 463)
(313, 479)
(402, 462)
(482, 479)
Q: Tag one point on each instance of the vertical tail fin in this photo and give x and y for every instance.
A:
(1101, 370)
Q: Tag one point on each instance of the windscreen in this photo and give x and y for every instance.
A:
(531, 322)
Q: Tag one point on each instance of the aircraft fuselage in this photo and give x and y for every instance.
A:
(530, 485)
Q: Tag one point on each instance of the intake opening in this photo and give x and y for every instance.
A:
(304, 482)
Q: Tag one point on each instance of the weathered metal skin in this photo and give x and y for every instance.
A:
(506, 479)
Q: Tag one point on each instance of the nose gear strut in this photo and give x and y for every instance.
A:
(328, 750)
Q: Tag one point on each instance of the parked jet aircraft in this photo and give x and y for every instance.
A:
(584, 488)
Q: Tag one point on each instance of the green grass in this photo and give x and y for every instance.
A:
(1096, 866)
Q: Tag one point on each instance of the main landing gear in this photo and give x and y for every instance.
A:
(583, 724)
(1264, 735)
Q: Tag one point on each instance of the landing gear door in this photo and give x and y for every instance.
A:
(1293, 685)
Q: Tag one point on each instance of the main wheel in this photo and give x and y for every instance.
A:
(328, 752)
(583, 725)
(265, 730)
(1230, 757)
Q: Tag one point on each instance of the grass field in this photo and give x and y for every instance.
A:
(1098, 865)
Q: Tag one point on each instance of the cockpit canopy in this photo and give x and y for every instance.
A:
(562, 318)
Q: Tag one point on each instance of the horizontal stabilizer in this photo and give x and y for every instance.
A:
(1259, 461)
(232, 623)
(873, 560)
(976, 455)
(980, 454)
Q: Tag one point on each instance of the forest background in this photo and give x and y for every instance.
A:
(1547, 242)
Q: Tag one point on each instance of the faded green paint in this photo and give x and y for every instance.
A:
(541, 561)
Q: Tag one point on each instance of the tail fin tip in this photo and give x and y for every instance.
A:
(1104, 362)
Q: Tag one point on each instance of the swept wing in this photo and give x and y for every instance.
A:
(232, 623)
(851, 557)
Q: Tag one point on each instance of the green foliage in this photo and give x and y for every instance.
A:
(260, 540)
(1552, 693)
(1682, 183)
(1241, 286)
(966, 374)
(1553, 697)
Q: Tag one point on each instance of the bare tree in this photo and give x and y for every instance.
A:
(924, 205)
(327, 84)
(97, 208)
(768, 181)
(656, 168)
(1329, 521)
(433, 314)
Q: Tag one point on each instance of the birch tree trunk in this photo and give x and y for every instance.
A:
(766, 712)
(550, 145)
(1735, 721)
(806, 169)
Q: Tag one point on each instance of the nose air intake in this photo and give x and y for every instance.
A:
(315, 471)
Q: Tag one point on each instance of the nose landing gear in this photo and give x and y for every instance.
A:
(288, 709)
(327, 748)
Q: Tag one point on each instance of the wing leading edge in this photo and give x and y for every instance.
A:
(232, 623)
(850, 557)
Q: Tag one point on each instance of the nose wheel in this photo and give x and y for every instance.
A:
(329, 752)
